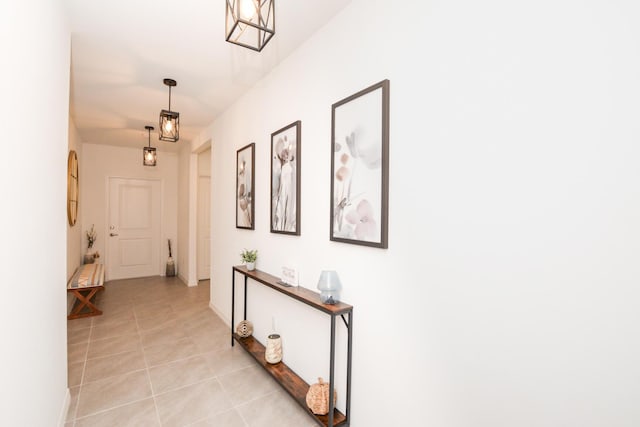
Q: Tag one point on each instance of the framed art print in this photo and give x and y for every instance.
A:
(285, 180)
(245, 207)
(360, 167)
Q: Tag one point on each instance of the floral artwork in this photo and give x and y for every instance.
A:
(244, 187)
(285, 180)
(359, 167)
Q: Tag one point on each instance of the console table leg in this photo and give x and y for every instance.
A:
(349, 347)
(245, 297)
(331, 369)
(233, 302)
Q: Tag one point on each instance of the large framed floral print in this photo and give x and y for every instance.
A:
(285, 180)
(245, 181)
(360, 167)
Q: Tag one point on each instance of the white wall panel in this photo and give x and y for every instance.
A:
(508, 295)
(33, 326)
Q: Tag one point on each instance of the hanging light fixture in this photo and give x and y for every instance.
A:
(169, 120)
(149, 153)
(250, 23)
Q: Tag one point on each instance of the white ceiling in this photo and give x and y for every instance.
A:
(123, 49)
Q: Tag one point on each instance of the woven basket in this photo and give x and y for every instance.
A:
(318, 398)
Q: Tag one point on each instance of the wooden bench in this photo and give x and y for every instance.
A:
(85, 283)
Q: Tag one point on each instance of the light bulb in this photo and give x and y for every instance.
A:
(149, 157)
(247, 9)
(168, 126)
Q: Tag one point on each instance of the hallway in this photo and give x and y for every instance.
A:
(159, 356)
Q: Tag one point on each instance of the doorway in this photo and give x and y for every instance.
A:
(133, 246)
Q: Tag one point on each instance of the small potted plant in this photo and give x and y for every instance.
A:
(249, 258)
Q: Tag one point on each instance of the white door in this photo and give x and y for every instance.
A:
(204, 229)
(133, 249)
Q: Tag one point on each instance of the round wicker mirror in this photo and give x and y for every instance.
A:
(72, 187)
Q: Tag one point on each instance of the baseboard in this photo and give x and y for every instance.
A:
(220, 315)
(186, 282)
(65, 409)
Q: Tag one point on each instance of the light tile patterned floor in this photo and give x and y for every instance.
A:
(159, 356)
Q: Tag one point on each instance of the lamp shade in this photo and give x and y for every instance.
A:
(329, 285)
(169, 126)
(250, 23)
(169, 120)
(149, 156)
(149, 153)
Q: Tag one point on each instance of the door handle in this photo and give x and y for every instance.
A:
(112, 234)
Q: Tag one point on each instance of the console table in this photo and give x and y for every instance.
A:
(285, 376)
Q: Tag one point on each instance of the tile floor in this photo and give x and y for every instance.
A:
(159, 356)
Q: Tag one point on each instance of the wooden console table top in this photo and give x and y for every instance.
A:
(304, 295)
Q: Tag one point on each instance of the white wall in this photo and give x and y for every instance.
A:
(204, 163)
(75, 235)
(187, 207)
(35, 72)
(100, 162)
(183, 212)
(508, 295)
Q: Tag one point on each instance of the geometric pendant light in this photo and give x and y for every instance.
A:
(250, 23)
(149, 153)
(169, 120)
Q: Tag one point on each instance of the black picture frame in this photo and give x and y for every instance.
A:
(359, 204)
(245, 185)
(285, 179)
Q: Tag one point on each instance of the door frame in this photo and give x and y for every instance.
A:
(108, 179)
(199, 219)
(191, 273)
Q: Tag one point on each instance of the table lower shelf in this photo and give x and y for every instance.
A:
(289, 380)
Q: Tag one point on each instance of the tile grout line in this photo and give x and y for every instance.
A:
(237, 406)
(102, 411)
(109, 355)
(146, 364)
(84, 370)
(262, 396)
(187, 385)
(83, 383)
(153, 393)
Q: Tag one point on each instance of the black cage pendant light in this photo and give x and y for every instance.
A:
(169, 120)
(250, 23)
(149, 153)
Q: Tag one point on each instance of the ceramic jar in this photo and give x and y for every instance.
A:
(273, 352)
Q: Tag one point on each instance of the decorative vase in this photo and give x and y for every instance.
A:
(318, 398)
(244, 329)
(273, 352)
(88, 257)
(251, 266)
